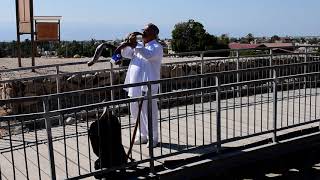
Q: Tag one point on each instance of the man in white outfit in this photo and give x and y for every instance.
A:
(145, 66)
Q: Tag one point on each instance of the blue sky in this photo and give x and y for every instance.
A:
(106, 19)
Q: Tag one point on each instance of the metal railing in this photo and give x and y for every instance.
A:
(61, 81)
(199, 115)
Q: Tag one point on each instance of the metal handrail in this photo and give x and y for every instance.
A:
(199, 76)
(169, 55)
(217, 90)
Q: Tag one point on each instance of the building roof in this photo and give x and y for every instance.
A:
(244, 46)
(276, 45)
(253, 46)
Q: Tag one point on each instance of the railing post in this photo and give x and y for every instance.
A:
(202, 72)
(111, 81)
(58, 90)
(238, 68)
(270, 64)
(275, 104)
(111, 84)
(218, 112)
(49, 138)
(150, 129)
(305, 71)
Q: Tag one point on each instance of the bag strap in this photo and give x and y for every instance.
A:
(135, 131)
(105, 112)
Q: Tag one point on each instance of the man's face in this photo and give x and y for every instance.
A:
(148, 34)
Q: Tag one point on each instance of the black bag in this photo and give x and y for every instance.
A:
(105, 137)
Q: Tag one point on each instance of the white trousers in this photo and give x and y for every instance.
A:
(143, 128)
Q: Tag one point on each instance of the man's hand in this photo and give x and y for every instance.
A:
(132, 40)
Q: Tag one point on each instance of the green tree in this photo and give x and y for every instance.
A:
(224, 39)
(250, 38)
(191, 36)
(313, 41)
(275, 38)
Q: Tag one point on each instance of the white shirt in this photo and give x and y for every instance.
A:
(145, 66)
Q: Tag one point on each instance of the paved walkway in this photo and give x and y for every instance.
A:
(180, 128)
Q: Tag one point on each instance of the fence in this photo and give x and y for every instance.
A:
(198, 114)
(60, 80)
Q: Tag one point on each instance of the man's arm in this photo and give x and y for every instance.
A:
(148, 53)
(124, 48)
(127, 52)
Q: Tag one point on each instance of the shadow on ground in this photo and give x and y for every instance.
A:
(294, 166)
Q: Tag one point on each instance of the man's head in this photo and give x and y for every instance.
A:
(150, 32)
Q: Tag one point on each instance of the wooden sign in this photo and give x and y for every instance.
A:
(47, 31)
(24, 15)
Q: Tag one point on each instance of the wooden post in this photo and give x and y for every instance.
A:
(32, 36)
(18, 34)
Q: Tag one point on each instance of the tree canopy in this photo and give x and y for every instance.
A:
(192, 36)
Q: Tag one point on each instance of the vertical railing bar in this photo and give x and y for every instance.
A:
(227, 113)
(140, 144)
(72, 96)
(65, 145)
(177, 81)
(218, 113)
(238, 68)
(85, 86)
(194, 119)
(77, 143)
(202, 99)
(305, 100)
(305, 66)
(150, 130)
(240, 95)
(268, 104)
(282, 99)
(49, 139)
(92, 86)
(11, 150)
(269, 88)
(111, 82)
(169, 121)
(248, 109)
(210, 113)
(187, 136)
(316, 96)
(178, 120)
(99, 136)
(310, 102)
(98, 85)
(234, 111)
(88, 140)
(261, 107)
(130, 124)
(293, 100)
(160, 116)
(58, 89)
(275, 101)
(254, 110)
(37, 146)
(24, 149)
(288, 101)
